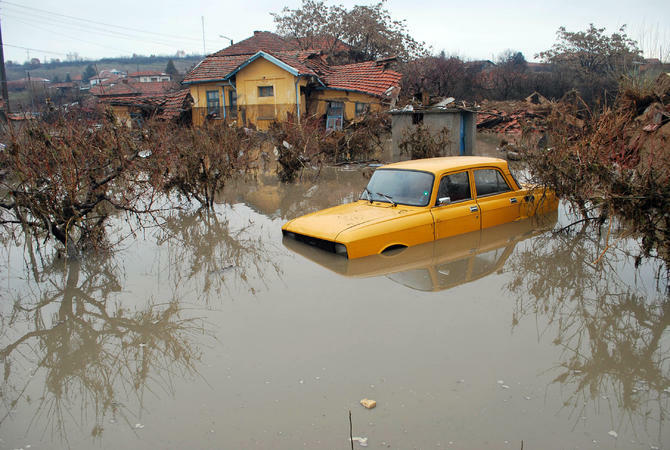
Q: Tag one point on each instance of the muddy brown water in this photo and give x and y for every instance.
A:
(212, 332)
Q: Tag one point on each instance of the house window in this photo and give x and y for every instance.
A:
(361, 108)
(456, 186)
(212, 102)
(489, 182)
(334, 115)
(232, 99)
(266, 91)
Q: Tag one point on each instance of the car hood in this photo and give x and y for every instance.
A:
(329, 223)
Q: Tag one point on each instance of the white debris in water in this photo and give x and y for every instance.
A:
(613, 433)
(527, 397)
(112, 420)
(461, 381)
(139, 426)
(604, 397)
(362, 441)
(653, 447)
(302, 381)
(504, 386)
(317, 378)
(267, 381)
(501, 382)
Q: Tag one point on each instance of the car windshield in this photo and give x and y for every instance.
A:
(405, 187)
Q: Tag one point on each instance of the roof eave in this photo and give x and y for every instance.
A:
(208, 80)
(351, 90)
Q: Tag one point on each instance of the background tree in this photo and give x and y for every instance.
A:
(436, 75)
(592, 60)
(508, 79)
(88, 73)
(170, 68)
(369, 30)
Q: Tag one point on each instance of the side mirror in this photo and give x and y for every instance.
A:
(443, 201)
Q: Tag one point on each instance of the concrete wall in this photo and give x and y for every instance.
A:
(435, 120)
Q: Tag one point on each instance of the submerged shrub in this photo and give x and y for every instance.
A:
(418, 142)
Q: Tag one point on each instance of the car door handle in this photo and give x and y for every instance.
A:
(474, 209)
(513, 200)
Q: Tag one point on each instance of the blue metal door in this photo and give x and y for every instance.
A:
(462, 137)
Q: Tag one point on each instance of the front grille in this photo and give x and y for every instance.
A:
(323, 244)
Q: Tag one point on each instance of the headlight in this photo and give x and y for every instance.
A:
(340, 249)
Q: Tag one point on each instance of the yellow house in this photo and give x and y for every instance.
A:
(262, 79)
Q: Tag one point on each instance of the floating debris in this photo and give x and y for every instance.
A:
(139, 426)
(362, 441)
(504, 386)
(369, 404)
(613, 433)
(501, 382)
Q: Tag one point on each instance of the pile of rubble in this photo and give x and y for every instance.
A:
(510, 117)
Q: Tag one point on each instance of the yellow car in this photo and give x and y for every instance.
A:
(413, 202)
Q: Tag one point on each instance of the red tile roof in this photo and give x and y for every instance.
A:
(132, 88)
(260, 41)
(166, 106)
(215, 68)
(368, 77)
(146, 73)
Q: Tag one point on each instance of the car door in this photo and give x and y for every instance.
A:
(460, 213)
(498, 202)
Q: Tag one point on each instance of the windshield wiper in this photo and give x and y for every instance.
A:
(368, 193)
(388, 197)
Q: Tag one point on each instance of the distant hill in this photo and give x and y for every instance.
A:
(134, 64)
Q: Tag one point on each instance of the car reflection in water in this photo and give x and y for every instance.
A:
(438, 265)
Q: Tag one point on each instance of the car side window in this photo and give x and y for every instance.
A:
(456, 186)
(490, 181)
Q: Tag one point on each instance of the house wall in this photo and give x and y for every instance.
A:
(199, 94)
(252, 109)
(262, 111)
(434, 121)
(318, 102)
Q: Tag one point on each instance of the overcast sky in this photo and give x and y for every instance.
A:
(473, 30)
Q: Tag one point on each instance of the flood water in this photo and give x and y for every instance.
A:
(211, 332)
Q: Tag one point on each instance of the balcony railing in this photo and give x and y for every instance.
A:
(227, 113)
(244, 115)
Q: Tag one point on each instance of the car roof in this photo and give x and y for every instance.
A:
(436, 165)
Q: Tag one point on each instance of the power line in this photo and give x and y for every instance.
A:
(99, 31)
(99, 23)
(69, 37)
(4, 44)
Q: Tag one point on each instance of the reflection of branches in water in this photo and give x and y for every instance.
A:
(93, 353)
(208, 245)
(611, 334)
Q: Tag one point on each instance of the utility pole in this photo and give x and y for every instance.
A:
(3, 74)
(204, 51)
